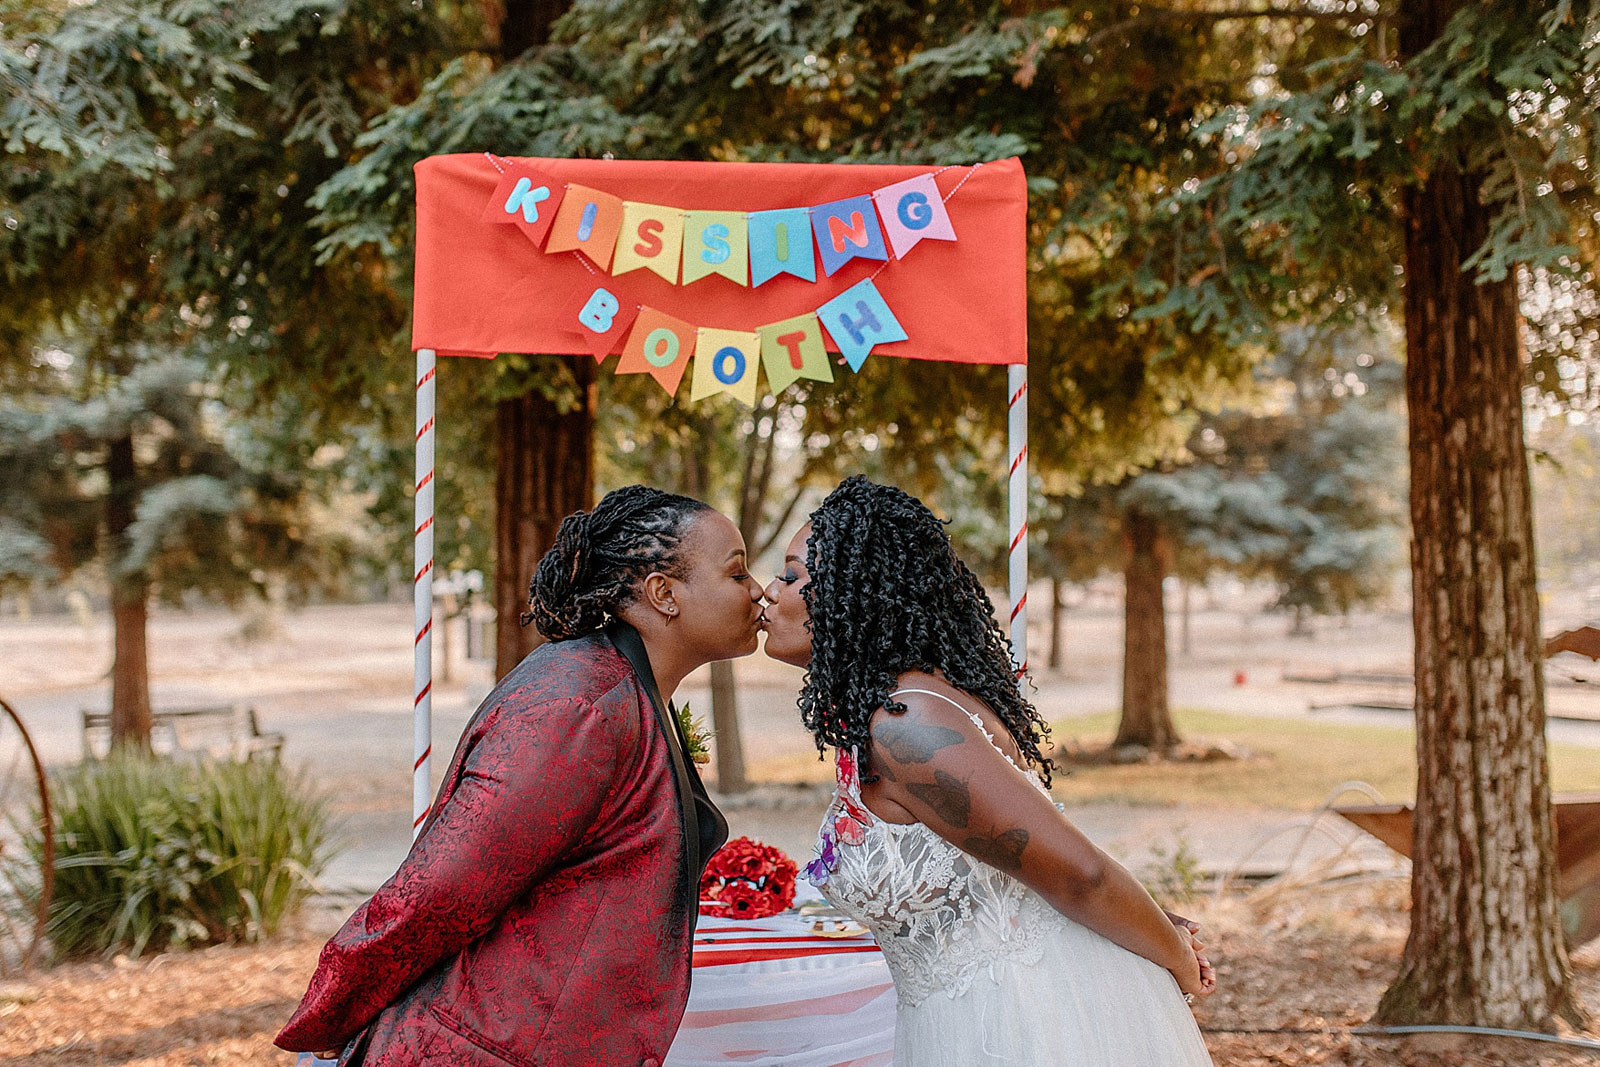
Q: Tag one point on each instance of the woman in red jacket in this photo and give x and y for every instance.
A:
(543, 916)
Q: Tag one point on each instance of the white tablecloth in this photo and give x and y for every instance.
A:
(772, 991)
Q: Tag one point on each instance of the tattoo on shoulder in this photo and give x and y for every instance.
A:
(908, 742)
(1003, 850)
(947, 796)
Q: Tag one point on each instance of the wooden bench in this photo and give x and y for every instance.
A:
(222, 732)
(1577, 830)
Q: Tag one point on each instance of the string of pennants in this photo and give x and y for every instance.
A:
(749, 249)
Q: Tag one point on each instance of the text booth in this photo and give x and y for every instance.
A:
(715, 278)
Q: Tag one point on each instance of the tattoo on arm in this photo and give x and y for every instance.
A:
(914, 743)
(1002, 850)
(948, 796)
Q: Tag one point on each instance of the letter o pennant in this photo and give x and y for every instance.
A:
(659, 346)
(727, 361)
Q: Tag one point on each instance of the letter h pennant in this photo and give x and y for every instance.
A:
(859, 318)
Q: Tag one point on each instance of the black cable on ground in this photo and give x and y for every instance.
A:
(1404, 1031)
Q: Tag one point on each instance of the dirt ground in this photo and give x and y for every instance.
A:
(336, 681)
(1308, 959)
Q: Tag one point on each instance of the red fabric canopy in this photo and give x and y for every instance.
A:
(483, 288)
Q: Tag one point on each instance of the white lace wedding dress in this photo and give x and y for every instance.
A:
(986, 972)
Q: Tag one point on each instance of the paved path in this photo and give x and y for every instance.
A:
(337, 683)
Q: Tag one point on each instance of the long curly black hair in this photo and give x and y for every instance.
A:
(591, 572)
(888, 594)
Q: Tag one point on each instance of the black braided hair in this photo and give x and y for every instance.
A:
(590, 573)
(888, 594)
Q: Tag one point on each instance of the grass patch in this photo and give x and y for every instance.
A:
(1298, 761)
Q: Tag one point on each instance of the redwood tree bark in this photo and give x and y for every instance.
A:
(544, 457)
(544, 471)
(130, 663)
(1486, 946)
(1055, 623)
(731, 776)
(1146, 716)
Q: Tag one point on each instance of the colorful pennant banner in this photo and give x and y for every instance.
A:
(729, 361)
(746, 248)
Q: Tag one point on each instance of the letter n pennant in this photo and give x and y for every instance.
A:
(847, 229)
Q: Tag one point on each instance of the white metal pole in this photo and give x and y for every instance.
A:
(422, 596)
(1017, 498)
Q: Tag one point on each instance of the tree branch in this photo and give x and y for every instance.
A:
(1155, 16)
(780, 522)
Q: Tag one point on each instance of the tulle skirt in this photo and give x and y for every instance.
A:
(1087, 1002)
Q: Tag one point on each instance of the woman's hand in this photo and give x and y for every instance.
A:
(332, 1054)
(1207, 983)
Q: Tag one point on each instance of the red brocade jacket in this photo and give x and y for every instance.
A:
(543, 918)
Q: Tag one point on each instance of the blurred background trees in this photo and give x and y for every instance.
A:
(1253, 231)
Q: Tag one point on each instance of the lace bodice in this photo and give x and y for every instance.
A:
(940, 916)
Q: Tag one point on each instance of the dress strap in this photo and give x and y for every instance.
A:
(976, 720)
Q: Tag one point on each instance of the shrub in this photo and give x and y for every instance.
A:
(152, 854)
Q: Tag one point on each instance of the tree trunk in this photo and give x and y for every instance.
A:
(1055, 623)
(1146, 717)
(1184, 646)
(130, 663)
(1486, 946)
(755, 482)
(527, 23)
(725, 729)
(1300, 623)
(544, 471)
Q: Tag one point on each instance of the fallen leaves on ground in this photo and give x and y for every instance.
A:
(1313, 958)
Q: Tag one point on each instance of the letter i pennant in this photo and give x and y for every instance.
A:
(588, 222)
(527, 198)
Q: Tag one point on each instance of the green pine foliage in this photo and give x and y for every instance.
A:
(219, 507)
(1306, 489)
(156, 854)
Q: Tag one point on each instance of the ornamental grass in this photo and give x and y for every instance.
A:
(156, 854)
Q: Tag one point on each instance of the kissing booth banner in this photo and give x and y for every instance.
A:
(715, 278)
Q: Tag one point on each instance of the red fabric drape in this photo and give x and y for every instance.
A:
(483, 288)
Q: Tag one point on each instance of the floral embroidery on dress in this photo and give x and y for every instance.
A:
(847, 825)
(940, 916)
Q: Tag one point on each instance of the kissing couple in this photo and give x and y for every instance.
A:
(544, 914)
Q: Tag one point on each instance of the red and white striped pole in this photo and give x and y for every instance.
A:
(1017, 499)
(422, 597)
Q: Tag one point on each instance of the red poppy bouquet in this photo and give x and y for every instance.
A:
(747, 880)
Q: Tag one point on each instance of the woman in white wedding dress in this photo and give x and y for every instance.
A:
(1012, 939)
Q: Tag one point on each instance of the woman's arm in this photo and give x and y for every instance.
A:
(534, 783)
(937, 765)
